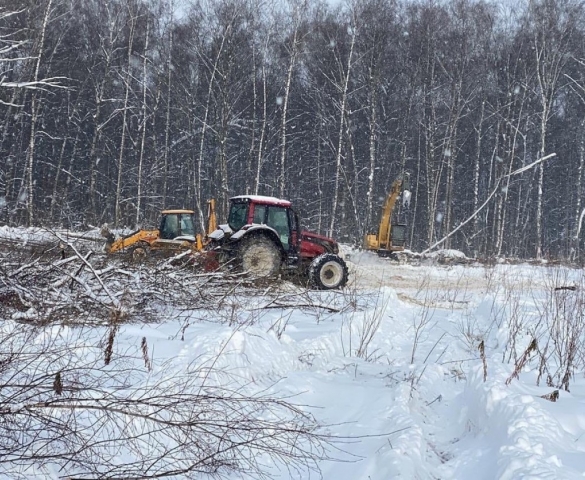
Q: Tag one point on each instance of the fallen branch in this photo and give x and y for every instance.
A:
(115, 301)
(483, 205)
(298, 305)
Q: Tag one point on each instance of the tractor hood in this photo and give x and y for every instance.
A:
(313, 244)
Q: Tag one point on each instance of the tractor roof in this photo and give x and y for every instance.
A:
(177, 211)
(263, 200)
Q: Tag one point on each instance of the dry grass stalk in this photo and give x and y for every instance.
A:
(115, 318)
(481, 349)
(110, 346)
(144, 348)
(522, 361)
(551, 397)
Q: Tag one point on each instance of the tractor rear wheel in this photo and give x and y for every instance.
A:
(328, 271)
(259, 257)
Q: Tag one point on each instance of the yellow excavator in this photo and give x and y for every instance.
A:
(175, 234)
(390, 237)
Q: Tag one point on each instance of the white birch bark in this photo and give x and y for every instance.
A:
(578, 187)
(291, 65)
(34, 118)
(166, 153)
(199, 166)
(373, 126)
(143, 127)
(339, 152)
(127, 81)
(262, 133)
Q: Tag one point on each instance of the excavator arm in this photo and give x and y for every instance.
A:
(384, 233)
(382, 241)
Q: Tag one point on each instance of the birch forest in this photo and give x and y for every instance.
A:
(113, 110)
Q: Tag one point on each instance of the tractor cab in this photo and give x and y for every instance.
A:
(275, 219)
(253, 211)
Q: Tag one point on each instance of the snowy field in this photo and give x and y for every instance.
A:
(414, 371)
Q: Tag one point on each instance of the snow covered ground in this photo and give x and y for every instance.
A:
(410, 369)
(397, 374)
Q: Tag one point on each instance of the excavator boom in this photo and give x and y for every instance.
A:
(390, 236)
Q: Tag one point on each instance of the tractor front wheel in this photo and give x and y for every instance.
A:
(259, 257)
(328, 271)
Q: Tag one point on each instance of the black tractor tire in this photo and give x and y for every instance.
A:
(328, 271)
(259, 256)
(138, 253)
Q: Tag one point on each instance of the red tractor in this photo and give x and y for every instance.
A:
(263, 237)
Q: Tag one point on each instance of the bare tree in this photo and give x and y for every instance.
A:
(345, 68)
(132, 20)
(143, 126)
(552, 24)
(34, 107)
(212, 67)
(293, 49)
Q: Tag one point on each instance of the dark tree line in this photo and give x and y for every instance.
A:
(110, 111)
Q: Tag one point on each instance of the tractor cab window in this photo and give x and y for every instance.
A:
(187, 227)
(260, 214)
(169, 227)
(238, 216)
(278, 219)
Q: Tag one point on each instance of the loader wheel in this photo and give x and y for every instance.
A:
(138, 253)
(259, 257)
(328, 271)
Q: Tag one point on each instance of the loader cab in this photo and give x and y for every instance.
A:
(176, 223)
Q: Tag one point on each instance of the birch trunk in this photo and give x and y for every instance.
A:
(166, 154)
(143, 137)
(504, 200)
(373, 137)
(127, 80)
(34, 118)
(6, 187)
(199, 166)
(262, 133)
(575, 251)
(291, 65)
(57, 178)
(338, 155)
(97, 132)
(476, 171)
(69, 171)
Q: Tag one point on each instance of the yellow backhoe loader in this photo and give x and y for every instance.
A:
(390, 237)
(175, 234)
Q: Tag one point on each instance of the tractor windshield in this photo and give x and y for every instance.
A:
(238, 216)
